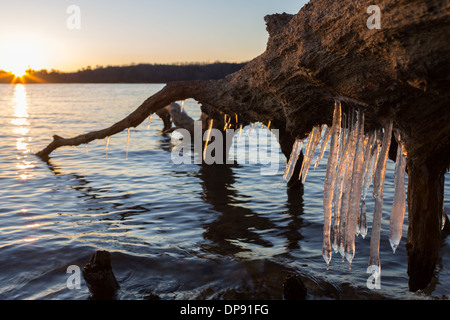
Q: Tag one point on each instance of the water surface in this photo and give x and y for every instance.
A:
(177, 231)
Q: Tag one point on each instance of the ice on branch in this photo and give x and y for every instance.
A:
(338, 223)
(363, 220)
(313, 142)
(290, 166)
(323, 146)
(399, 203)
(356, 160)
(355, 190)
(330, 179)
(378, 188)
(347, 171)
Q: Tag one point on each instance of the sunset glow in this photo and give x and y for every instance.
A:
(19, 53)
(15, 60)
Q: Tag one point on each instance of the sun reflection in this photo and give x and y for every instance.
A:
(25, 165)
(20, 121)
(33, 225)
(21, 145)
(20, 98)
(22, 131)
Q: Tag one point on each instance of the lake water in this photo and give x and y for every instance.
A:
(177, 231)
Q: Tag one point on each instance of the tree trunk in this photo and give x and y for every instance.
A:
(425, 212)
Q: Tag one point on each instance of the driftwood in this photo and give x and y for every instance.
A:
(324, 53)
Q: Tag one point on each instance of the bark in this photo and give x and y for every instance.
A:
(325, 53)
(426, 196)
(99, 276)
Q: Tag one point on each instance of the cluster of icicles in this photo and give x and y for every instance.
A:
(355, 161)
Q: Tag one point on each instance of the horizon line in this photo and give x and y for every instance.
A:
(131, 64)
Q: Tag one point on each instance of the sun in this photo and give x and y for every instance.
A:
(18, 54)
(15, 61)
(18, 70)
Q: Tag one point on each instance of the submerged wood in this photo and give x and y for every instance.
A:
(99, 276)
(325, 53)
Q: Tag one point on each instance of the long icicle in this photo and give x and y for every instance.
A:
(355, 191)
(348, 172)
(370, 160)
(290, 166)
(372, 164)
(208, 137)
(344, 138)
(323, 146)
(330, 180)
(363, 220)
(149, 121)
(378, 188)
(107, 144)
(399, 203)
(128, 142)
(314, 139)
(365, 152)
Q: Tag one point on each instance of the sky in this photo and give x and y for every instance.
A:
(49, 34)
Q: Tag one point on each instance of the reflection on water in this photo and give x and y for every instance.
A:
(21, 129)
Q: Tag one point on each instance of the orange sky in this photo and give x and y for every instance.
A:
(44, 34)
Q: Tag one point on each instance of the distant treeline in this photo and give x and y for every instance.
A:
(140, 73)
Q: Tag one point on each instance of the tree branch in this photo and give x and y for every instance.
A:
(171, 92)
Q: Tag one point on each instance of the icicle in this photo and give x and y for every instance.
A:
(346, 183)
(86, 148)
(330, 180)
(363, 220)
(236, 117)
(355, 190)
(268, 125)
(226, 121)
(290, 166)
(208, 137)
(313, 141)
(370, 158)
(240, 132)
(149, 121)
(250, 129)
(344, 138)
(399, 203)
(128, 142)
(368, 145)
(378, 187)
(182, 106)
(323, 146)
(443, 219)
(107, 144)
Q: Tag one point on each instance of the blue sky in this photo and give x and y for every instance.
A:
(123, 32)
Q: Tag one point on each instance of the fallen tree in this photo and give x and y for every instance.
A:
(326, 53)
